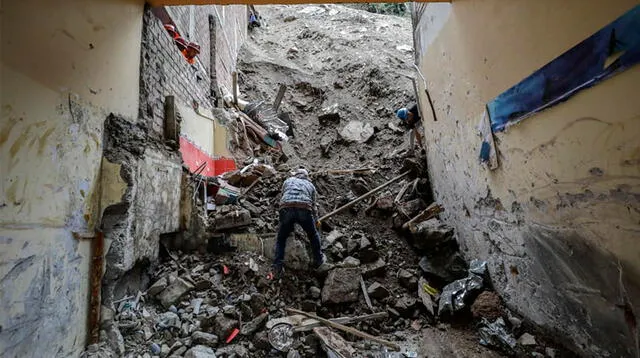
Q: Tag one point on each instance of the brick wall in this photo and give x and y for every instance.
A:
(164, 71)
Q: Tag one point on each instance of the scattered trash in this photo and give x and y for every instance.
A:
(233, 335)
(281, 336)
(455, 295)
(495, 335)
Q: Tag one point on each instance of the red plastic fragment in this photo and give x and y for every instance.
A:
(233, 335)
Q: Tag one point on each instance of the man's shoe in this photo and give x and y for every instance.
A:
(276, 273)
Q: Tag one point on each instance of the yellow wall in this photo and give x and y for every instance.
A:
(572, 171)
(65, 66)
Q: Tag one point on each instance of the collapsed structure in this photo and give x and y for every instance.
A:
(152, 230)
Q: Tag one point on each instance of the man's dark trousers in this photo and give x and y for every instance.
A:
(305, 218)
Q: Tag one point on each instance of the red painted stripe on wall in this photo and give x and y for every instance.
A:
(193, 158)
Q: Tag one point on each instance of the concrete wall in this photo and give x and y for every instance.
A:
(60, 80)
(564, 206)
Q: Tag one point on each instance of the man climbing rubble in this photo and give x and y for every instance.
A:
(412, 121)
(298, 206)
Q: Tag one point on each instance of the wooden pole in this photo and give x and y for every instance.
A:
(234, 77)
(349, 330)
(279, 96)
(364, 196)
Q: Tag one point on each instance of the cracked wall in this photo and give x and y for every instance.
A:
(563, 207)
(60, 80)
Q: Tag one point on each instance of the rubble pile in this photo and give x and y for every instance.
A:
(398, 270)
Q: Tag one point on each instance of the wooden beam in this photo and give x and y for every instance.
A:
(268, 2)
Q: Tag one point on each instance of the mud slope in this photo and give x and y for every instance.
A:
(329, 55)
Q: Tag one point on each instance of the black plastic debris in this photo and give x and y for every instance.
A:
(496, 335)
(457, 294)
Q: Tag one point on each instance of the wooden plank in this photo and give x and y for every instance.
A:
(366, 295)
(234, 76)
(349, 330)
(279, 97)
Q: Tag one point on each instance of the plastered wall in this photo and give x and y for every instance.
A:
(65, 66)
(563, 208)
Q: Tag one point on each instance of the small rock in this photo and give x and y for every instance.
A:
(357, 131)
(158, 287)
(174, 292)
(233, 350)
(223, 326)
(258, 303)
(203, 338)
(168, 320)
(196, 303)
(261, 340)
(164, 350)
(364, 243)
(315, 292)
(550, 352)
(527, 339)
(200, 352)
(329, 115)
(342, 285)
(377, 291)
(405, 306)
(255, 324)
(375, 269)
(487, 305)
(350, 261)
(308, 305)
(179, 352)
(407, 279)
(293, 354)
(290, 18)
(431, 233)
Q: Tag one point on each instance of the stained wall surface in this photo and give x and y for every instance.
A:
(563, 208)
(65, 67)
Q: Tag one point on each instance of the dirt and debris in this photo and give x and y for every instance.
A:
(397, 265)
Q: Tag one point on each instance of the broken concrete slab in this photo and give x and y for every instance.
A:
(254, 325)
(350, 261)
(342, 285)
(431, 233)
(157, 287)
(374, 269)
(407, 279)
(378, 291)
(232, 219)
(329, 115)
(203, 338)
(200, 352)
(174, 292)
(168, 320)
(357, 131)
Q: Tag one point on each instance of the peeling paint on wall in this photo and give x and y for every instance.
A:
(563, 208)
